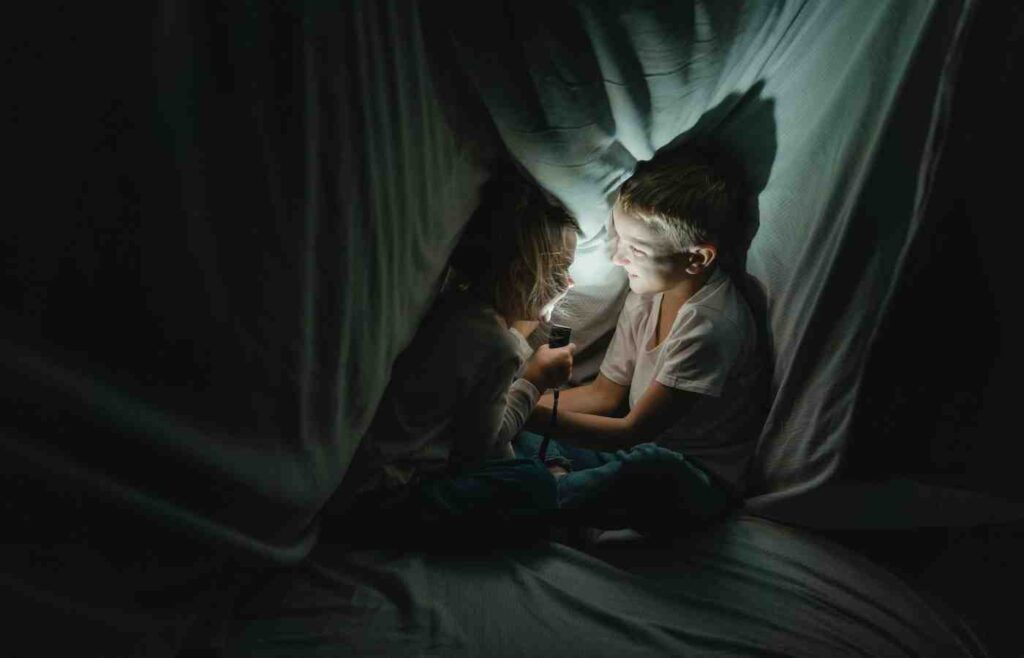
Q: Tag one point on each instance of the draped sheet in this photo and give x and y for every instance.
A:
(750, 588)
(835, 111)
(251, 209)
(226, 220)
(238, 216)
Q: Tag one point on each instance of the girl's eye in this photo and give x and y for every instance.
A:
(636, 252)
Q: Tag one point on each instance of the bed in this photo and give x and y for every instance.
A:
(748, 587)
(250, 217)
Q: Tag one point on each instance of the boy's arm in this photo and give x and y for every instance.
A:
(658, 408)
(602, 397)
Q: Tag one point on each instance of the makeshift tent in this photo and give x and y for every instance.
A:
(230, 219)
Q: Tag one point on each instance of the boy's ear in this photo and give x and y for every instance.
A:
(701, 258)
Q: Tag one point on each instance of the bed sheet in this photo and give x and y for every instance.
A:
(748, 587)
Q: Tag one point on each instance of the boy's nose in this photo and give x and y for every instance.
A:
(572, 282)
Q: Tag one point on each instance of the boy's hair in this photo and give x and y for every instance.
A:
(688, 195)
(512, 251)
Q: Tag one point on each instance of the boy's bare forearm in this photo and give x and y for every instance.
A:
(659, 408)
(582, 430)
(583, 399)
(591, 431)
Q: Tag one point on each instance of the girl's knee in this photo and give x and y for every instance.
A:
(527, 445)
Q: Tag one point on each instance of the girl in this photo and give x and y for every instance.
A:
(461, 391)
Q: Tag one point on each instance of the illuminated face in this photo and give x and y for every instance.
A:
(570, 251)
(646, 255)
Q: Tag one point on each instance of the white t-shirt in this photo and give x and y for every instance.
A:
(711, 349)
(453, 393)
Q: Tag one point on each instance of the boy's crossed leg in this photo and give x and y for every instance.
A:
(647, 488)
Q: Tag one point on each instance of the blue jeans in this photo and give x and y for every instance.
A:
(498, 501)
(647, 487)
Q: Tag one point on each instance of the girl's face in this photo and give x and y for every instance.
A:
(645, 254)
(569, 255)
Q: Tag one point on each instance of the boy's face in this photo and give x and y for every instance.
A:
(646, 255)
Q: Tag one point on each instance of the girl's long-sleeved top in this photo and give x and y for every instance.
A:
(454, 398)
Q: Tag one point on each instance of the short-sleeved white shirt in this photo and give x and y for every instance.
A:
(711, 349)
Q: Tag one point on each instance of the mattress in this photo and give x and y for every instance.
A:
(748, 587)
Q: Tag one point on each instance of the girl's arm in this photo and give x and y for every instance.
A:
(525, 327)
(658, 409)
(488, 410)
(492, 413)
(519, 403)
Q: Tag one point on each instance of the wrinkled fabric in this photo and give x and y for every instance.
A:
(750, 587)
(226, 220)
(250, 215)
(834, 111)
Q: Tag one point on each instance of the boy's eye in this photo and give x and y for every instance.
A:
(636, 252)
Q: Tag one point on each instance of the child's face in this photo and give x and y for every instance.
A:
(646, 256)
(569, 242)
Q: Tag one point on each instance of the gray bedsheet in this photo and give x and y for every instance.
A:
(749, 587)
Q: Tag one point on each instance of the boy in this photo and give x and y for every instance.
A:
(684, 359)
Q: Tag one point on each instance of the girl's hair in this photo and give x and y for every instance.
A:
(691, 196)
(512, 251)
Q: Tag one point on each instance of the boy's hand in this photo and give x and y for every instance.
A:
(549, 368)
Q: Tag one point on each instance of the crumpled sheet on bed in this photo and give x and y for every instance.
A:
(749, 587)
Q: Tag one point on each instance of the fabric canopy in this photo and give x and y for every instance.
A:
(227, 219)
(225, 223)
(252, 208)
(835, 111)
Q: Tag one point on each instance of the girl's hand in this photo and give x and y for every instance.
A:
(549, 368)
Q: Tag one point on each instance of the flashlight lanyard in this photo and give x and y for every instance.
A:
(559, 337)
(551, 428)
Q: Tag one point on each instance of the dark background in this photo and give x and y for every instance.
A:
(939, 393)
(940, 401)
